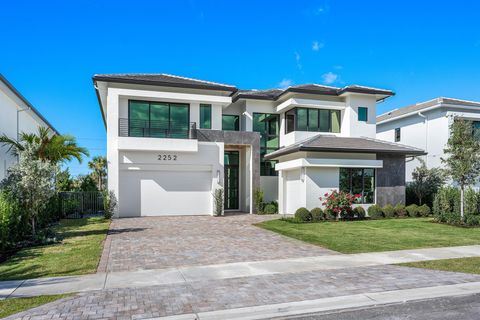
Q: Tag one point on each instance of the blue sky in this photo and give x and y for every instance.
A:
(419, 49)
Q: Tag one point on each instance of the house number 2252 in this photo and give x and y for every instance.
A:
(166, 157)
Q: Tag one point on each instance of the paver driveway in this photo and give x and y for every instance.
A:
(162, 242)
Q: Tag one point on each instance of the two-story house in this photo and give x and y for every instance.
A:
(426, 125)
(171, 141)
(17, 115)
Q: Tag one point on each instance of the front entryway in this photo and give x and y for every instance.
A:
(232, 180)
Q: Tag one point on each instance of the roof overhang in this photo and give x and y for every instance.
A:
(327, 163)
(29, 106)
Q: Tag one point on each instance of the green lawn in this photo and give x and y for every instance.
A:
(78, 253)
(376, 235)
(12, 306)
(466, 265)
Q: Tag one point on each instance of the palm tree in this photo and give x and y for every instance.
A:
(99, 167)
(52, 147)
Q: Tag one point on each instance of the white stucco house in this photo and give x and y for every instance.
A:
(171, 141)
(425, 125)
(17, 115)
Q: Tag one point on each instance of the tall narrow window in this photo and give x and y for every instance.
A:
(362, 114)
(230, 122)
(205, 116)
(268, 127)
(397, 134)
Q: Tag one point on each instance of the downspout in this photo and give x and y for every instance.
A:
(425, 120)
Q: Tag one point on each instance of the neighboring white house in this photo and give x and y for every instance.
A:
(171, 141)
(17, 115)
(426, 126)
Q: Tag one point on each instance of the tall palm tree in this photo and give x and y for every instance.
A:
(99, 167)
(52, 147)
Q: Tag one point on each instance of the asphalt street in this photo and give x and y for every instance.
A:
(451, 308)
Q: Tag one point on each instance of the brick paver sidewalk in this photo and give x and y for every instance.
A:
(202, 296)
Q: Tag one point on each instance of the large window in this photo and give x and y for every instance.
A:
(317, 120)
(158, 119)
(358, 181)
(205, 116)
(268, 126)
(230, 122)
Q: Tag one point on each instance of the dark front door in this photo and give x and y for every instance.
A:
(231, 182)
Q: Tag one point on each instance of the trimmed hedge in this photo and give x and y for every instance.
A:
(400, 210)
(359, 212)
(269, 209)
(375, 212)
(412, 210)
(302, 214)
(424, 210)
(317, 215)
(389, 211)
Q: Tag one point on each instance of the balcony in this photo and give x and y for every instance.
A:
(156, 129)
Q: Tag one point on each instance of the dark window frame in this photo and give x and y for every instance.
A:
(264, 164)
(209, 106)
(398, 134)
(350, 182)
(232, 115)
(150, 102)
(295, 120)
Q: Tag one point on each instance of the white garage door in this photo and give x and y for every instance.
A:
(162, 193)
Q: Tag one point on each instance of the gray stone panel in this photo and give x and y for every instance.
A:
(391, 180)
(237, 138)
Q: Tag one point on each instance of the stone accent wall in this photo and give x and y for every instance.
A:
(391, 180)
(239, 138)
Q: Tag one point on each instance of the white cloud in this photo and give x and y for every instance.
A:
(297, 59)
(329, 77)
(317, 45)
(285, 83)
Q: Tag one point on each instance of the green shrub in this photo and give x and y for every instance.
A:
(424, 210)
(218, 202)
(359, 212)
(303, 215)
(317, 215)
(448, 217)
(400, 210)
(471, 202)
(270, 209)
(375, 212)
(109, 204)
(412, 210)
(472, 220)
(258, 200)
(389, 211)
(329, 215)
(447, 200)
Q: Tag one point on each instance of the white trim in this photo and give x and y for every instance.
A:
(331, 163)
(439, 105)
(164, 167)
(157, 144)
(176, 96)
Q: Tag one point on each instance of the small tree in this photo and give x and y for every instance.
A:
(98, 165)
(426, 182)
(31, 181)
(463, 151)
(339, 203)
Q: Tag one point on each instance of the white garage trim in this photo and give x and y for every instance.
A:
(164, 167)
(333, 163)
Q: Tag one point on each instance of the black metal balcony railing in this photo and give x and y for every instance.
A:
(156, 129)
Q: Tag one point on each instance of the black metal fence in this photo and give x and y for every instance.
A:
(156, 129)
(78, 204)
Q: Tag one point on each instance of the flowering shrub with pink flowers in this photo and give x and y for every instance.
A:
(339, 203)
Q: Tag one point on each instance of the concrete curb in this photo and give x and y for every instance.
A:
(332, 304)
